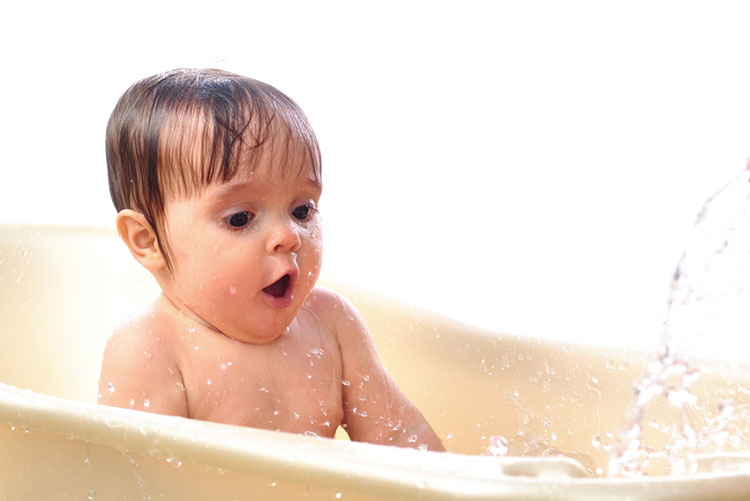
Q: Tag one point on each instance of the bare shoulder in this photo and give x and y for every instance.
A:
(334, 309)
(139, 366)
(343, 319)
(140, 339)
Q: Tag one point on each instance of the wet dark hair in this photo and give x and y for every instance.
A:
(177, 132)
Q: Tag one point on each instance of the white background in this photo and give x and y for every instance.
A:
(531, 167)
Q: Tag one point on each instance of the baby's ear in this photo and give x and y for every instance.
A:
(141, 239)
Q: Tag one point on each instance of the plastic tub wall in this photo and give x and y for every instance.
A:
(63, 290)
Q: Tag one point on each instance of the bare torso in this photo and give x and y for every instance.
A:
(292, 384)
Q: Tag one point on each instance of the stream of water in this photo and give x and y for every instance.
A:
(707, 318)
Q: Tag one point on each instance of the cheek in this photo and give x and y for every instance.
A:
(313, 246)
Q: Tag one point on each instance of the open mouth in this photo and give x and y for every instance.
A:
(279, 287)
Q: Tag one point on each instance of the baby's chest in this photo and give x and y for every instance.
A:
(294, 389)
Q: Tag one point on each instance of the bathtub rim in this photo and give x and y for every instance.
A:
(347, 465)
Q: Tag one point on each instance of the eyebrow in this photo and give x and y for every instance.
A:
(228, 190)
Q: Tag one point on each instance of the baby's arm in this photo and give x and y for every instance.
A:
(138, 372)
(375, 409)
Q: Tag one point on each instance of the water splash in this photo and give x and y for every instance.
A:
(706, 314)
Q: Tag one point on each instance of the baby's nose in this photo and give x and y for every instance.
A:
(284, 237)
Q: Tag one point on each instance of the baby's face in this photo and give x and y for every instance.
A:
(246, 253)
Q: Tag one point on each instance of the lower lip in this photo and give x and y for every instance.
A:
(280, 302)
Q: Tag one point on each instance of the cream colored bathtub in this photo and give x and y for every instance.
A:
(62, 290)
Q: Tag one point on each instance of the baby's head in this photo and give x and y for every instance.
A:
(206, 168)
(177, 132)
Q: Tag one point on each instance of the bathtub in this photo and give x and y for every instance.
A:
(63, 290)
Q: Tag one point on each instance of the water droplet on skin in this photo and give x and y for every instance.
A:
(131, 402)
(338, 495)
(146, 403)
(110, 387)
(148, 355)
(209, 382)
(191, 329)
(196, 347)
(233, 290)
(345, 382)
(92, 494)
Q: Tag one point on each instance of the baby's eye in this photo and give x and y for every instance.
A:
(239, 220)
(303, 212)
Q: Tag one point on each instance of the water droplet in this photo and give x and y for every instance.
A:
(92, 494)
(338, 495)
(233, 290)
(110, 387)
(131, 402)
(191, 329)
(148, 354)
(345, 382)
(498, 446)
(146, 403)
(223, 367)
(209, 382)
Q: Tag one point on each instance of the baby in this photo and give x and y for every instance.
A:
(217, 179)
